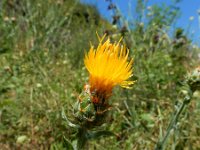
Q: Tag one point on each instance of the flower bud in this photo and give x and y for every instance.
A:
(193, 79)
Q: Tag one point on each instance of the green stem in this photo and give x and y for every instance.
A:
(161, 143)
(81, 138)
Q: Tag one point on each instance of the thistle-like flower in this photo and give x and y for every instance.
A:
(108, 66)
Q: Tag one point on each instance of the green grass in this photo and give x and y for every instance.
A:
(42, 46)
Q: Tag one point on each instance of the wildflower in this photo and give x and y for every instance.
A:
(149, 8)
(108, 67)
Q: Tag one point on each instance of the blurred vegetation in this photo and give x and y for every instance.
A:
(42, 46)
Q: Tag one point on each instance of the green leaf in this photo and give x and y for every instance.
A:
(68, 144)
(6, 102)
(67, 120)
(98, 134)
(147, 117)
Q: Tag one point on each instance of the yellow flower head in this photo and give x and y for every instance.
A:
(108, 66)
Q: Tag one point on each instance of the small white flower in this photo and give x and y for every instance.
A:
(149, 8)
(141, 24)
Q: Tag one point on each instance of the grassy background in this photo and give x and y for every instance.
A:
(42, 46)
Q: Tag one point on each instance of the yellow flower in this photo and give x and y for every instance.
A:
(108, 66)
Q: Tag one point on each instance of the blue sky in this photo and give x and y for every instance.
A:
(188, 8)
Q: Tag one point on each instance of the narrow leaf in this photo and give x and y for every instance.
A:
(68, 144)
(98, 134)
(67, 120)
